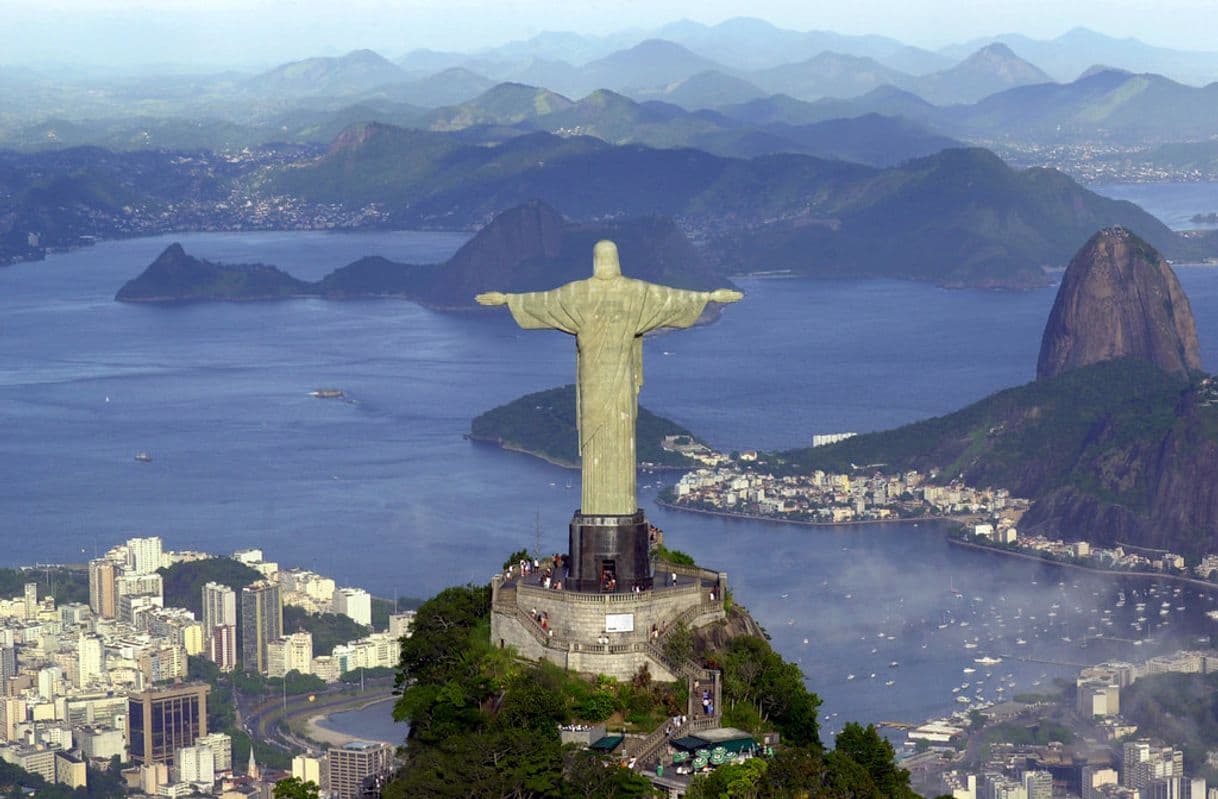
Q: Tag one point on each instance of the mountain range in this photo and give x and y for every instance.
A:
(749, 43)
(993, 90)
(959, 217)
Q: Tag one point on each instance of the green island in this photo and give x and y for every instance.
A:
(544, 424)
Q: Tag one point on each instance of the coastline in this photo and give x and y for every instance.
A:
(777, 520)
(1193, 581)
(655, 467)
(317, 730)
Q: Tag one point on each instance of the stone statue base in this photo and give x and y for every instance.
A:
(609, 554)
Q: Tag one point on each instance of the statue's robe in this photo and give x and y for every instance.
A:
(608, 319)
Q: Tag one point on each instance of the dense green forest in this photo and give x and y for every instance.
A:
(184, 581)
(328, 629)
(61, 582)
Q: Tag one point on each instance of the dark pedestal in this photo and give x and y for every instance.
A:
(609, 546)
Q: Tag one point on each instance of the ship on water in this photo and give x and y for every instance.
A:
(143, 457)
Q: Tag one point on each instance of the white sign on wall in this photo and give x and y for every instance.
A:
(619, 622)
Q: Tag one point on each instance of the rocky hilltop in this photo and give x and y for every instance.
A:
(532, 248)
(177, 277)
(1115, 442)
(1119, 298)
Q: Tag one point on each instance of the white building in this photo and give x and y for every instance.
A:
(221, 746)
(219, 607)
(195, 764)
(89, 659)
(248, 556)
(401, 624)
(290, 653)
(143, 555)
(307, 769)
(102, 743)
(355, 604)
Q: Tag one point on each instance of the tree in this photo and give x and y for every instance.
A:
(679, 643)
(295, 788)
(589, 775)
(755, 674)
(517, 556)
(869, 749)
(734, 781)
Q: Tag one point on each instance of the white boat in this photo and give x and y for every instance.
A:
(987, 660)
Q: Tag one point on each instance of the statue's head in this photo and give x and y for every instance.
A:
(605, 264)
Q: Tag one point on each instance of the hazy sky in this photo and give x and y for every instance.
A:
(264, 32)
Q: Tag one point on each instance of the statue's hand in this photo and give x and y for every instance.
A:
(726, 295)
(491, 298)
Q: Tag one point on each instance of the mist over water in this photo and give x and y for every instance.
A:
(384, 492)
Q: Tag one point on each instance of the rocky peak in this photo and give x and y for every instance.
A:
(1118, 299)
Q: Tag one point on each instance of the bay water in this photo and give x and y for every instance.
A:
(382, 491)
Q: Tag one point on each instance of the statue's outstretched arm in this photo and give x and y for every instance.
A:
(726, 295)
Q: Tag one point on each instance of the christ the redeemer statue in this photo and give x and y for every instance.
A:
(608, 315)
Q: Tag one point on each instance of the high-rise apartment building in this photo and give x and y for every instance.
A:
(31, 600)
(261, 623)
(103, 597)
(195, 764)
(349, 765)
(355, 604)
(221, 746)
(163, 720)
(219, 606)
(143, 555)
(222, 647)
(88, 659)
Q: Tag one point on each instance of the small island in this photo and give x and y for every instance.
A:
(544, 425)
(1205, 219)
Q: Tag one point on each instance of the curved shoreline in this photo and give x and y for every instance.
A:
(1193, 581)
(317, 730)
(853, 523)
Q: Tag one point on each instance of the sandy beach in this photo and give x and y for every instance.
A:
(316, 729)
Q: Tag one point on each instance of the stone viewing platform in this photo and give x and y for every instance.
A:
(612, 633)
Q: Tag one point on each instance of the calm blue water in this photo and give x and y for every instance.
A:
(1174, 203)
(372, 723)
(385, 493)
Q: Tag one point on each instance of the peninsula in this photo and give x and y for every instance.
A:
(1116, 442)
(544, 425)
